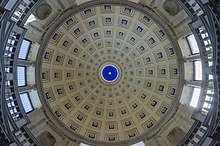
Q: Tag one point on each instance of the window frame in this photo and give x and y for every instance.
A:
(29, 99)
(193, 96)
(28, 50)
(25, 76)
(190, 47)
(194, 70)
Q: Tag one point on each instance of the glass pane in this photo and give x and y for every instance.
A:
(195, 97)
(206, 105)
(24, 49)
(26, 102)
(21, 76)
(197, 70)
(193, 44)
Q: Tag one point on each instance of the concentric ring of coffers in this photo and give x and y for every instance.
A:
(135, 105)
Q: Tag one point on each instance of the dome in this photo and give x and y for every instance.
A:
(110, 72)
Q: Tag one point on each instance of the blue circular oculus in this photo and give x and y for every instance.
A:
(109, 73)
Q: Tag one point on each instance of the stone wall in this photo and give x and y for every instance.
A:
(45, 132)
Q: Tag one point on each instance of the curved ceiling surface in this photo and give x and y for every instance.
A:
(110, 72)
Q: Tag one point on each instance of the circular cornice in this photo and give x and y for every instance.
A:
(171, 83)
